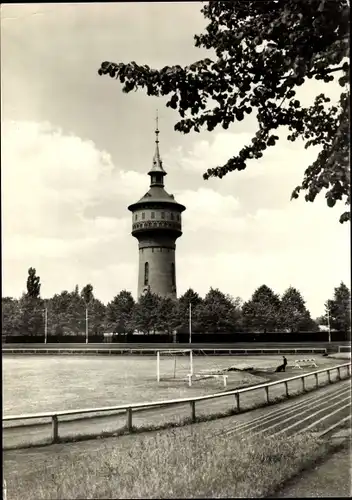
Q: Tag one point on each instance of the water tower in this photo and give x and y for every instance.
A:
(157, 223)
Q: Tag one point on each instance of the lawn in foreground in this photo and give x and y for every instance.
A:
(42, 383)
(179, 463)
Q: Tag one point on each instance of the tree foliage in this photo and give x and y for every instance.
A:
(167, 315)
(264, 52)
(87, 294)
(97, 310)
(183, 311)
(66, 314)
(340, 309)
(294, 315)
(262, 311)
(216, 312)
(119, 313)
(31, 319)
(145, 313)
(11, 324)
(33, 284)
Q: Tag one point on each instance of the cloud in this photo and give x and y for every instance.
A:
(266, 183)
(287, 156)
(64, 208)
(64, 204)
(50, 179)
(256, 234)
(206, 209)
(303, 246)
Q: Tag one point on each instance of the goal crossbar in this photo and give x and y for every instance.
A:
(173, 352)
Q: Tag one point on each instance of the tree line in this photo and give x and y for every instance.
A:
(217, 312)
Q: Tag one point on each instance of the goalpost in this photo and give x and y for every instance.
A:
(344, 348)
(175, 353)
(183, 371)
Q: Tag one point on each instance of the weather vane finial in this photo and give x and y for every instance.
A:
(157, 127)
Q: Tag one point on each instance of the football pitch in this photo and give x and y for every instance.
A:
(43, 383)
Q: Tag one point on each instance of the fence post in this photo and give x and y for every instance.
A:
(193, 411)
(286, 389)
(339, 373)
(348, 370)
(129, 419)
(55, 429)
(303, 384)
(329, 376)
(267, 393)
(237, 396)
(316, 380)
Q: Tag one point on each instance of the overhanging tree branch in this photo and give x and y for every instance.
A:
(304, 39)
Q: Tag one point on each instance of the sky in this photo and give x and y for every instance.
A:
(76, 152)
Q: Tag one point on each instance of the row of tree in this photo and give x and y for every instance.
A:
(266, 311)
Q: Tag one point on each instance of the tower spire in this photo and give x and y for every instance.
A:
(157, 127)
(157, 172)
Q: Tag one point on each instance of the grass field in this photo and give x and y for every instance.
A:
(48, 383)
(174, 463)
(178, 463)
(44, 383)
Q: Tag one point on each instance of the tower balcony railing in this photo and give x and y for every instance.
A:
(160, 224)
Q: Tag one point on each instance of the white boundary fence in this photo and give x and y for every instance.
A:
(128, 408)
(154, 350)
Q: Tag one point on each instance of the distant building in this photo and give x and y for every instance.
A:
(157, 223)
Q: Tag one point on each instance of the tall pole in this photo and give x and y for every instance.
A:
(190, 340)
(86, 324)
(158, 366)
(190, 322)
(45, 325)
(328, 310)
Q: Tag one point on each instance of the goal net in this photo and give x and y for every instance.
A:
(173, 364)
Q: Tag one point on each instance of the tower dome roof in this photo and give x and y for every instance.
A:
(157, 193)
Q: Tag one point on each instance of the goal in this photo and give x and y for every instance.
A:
(174, 364)
(345, 348)
(177, 365)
